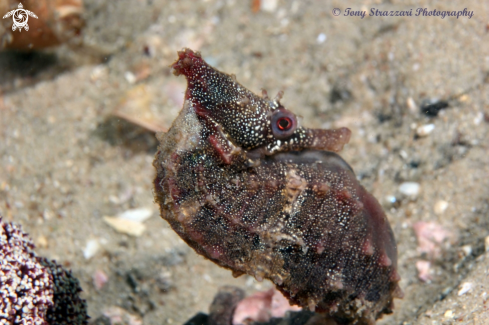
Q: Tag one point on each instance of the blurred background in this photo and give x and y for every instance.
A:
(84, 90)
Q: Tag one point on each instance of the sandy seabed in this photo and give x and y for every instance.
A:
(66, 161)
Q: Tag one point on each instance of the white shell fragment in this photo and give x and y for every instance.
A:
(440, 207)
(268, 5)
(409, 188)
(424, 130)
(130, 77)
(448, 314)
(321, 38)
(465, 287)
(129, 227)
(411, 104)
(91, 248)
(138, 215)
(130, 222)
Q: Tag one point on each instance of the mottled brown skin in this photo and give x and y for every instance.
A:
(273, 200)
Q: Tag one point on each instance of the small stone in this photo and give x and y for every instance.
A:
(91, 248)
(47, 215)
(466, 250)
(130, 77)
(118, 315)
(321, 38)
(390, 200)
(464, 288)
(409, 188)
(268, 5)
(412, 105)
(164, 281)
(99, 279)
(98, 72)
(440, 207)
(431, 236)
(486, 243)
(42, 242)
(424, 270)
(424, 130)
(448, 314)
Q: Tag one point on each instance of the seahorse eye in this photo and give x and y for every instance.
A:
(284, 123)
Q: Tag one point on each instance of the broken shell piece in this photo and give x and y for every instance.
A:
(137, 215)
(135, 107)
(91, 248)
(440, 207)
(431, 237)
(268, 5)
(99, 279)
(424, 130)
(42, 242)
(117, 315)
(125, 226)
(448, 314)
(130, 222)
(464, 288)
(424, 270)
(411, 104)
(261, 306)
(141, 71)
(409, 189)
(58, 21)
(142, 106)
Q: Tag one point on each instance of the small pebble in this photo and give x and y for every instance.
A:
(118, 315)
(440, 207)
(91, 248)
(424, 270)
(430, 236)
(98, 72)
(42, 242)
(412, 105)
(321, 38)
(390, 199)
(424, 130)
(99, 279)
(464, 288)
(47, 215)
(486, 243)
(448, 314)
(130, 77)
(479, 118)
(208, 278)
(409, 188)
(268, 5)
(467, 250)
